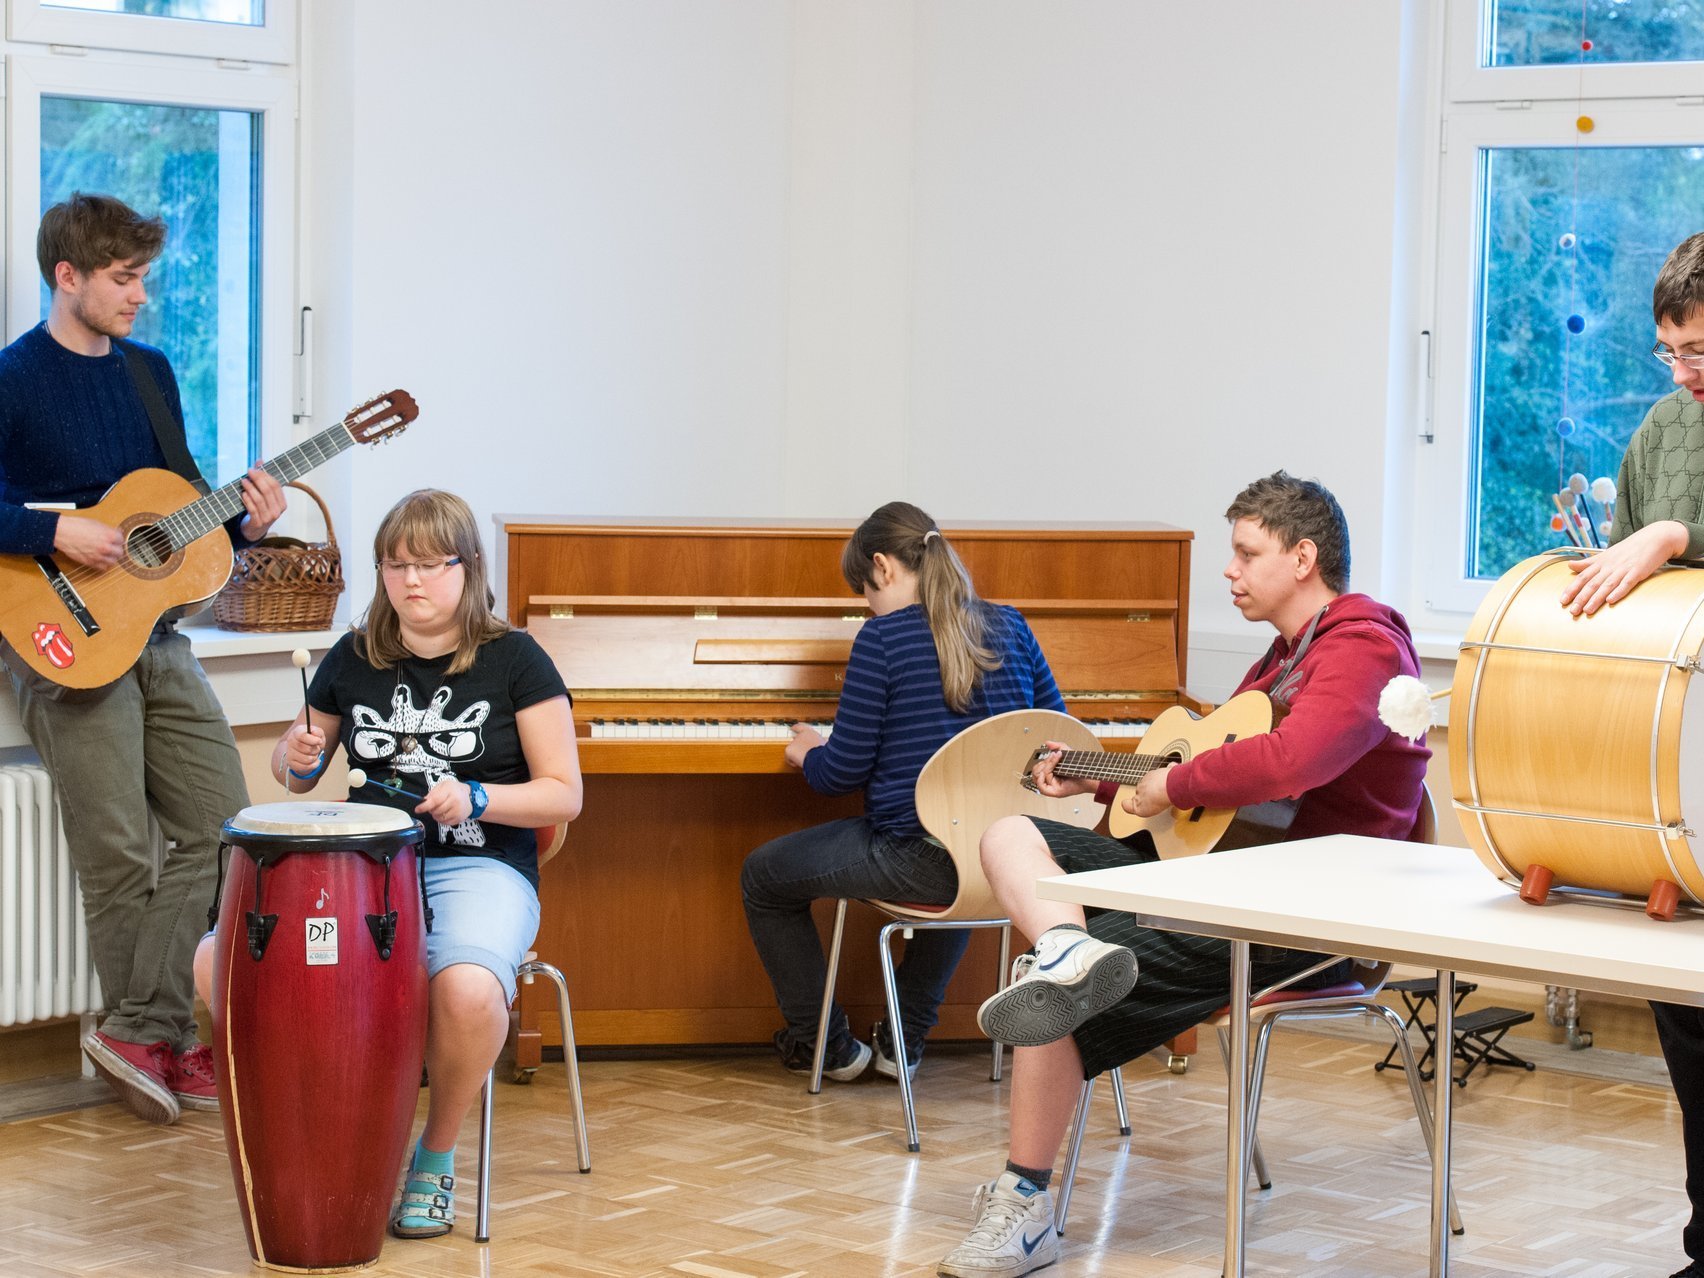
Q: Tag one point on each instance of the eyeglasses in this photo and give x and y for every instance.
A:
(1668, 357)
(425, 569)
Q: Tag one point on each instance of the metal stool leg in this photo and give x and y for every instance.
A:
(1001, 979)
(1068, 1182)
(1256, 1155)
(570, 1054)
(1422, 1108)
(482, 1223)
(828, 1000)
(896, 1033)
(1118, 1101)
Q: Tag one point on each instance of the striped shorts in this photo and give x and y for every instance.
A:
(1181, 980)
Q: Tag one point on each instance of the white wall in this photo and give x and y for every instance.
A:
(1099, 259)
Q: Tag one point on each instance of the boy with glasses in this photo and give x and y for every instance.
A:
(1659, 516)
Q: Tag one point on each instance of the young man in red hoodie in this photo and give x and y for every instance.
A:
(1079, 1009)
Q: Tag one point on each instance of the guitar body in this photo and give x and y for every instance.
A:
(124, 601)
(1180, 735)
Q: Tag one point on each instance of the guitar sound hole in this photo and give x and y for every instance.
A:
(149, 546)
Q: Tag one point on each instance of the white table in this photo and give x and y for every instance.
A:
(1436, 907)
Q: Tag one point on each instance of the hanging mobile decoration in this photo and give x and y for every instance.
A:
(1574, 495)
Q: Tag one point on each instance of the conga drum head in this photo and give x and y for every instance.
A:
(270, 830)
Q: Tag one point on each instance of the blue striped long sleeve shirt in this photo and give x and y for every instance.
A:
(893, 715)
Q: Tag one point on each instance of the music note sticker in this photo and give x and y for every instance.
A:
(322, 942)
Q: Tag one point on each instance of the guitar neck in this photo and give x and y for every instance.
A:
(1105, 765)
(202, 516)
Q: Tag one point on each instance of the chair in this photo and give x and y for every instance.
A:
(1353, 998)
(550, 842)
(969, 783)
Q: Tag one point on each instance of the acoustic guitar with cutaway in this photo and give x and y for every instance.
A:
(1176, 736)
(83, 627)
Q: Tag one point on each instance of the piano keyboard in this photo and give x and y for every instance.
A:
(774, 729)
(1117, 727)
(698, 729)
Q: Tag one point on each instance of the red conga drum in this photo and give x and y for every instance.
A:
(319, 1012)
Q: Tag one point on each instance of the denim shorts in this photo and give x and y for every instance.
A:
(483, 912)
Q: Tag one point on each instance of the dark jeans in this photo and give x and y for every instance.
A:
(1681, 1032)
(847, 858)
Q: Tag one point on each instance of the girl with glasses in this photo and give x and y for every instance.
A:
(465, 723)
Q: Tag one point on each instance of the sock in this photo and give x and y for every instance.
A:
(1066, 927)
(1034, 1175)
(432, 1162)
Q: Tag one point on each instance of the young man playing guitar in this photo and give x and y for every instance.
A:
(80, 408)
(1080, 1007)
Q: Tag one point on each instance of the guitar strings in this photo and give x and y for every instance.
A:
(92, 583)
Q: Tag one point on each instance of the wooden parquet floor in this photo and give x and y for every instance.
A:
(723, 1167)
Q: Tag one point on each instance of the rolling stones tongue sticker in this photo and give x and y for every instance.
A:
(51, 642)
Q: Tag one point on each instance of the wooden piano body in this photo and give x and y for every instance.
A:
(689, 648)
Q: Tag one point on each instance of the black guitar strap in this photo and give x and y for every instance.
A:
(166, 430)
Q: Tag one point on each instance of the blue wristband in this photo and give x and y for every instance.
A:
(308, 776)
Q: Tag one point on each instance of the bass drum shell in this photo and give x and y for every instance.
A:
(1584, 736)
(319, 1044)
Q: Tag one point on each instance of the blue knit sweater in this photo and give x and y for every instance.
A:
(71, 426)
(892, 715)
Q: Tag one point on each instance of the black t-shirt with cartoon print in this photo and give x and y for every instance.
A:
(415, 725)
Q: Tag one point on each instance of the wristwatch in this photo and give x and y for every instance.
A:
(480, 799)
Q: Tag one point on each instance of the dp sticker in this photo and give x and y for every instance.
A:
(322, 942)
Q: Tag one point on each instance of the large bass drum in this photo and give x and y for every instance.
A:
(1577, 743)
(319, 1024)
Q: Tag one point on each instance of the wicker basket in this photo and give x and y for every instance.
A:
(280, 583)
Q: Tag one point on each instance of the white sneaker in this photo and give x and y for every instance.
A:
(1070, 978)
(1014, 1232)
(886, 1066)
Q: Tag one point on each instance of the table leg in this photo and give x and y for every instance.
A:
(1236, 1112)
(1442, 1079)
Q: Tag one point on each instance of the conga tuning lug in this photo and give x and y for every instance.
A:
(260, 933)
(383, 928)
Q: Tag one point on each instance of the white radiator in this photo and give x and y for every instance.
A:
(45, 969)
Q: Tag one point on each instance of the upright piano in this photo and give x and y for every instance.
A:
(690, 648)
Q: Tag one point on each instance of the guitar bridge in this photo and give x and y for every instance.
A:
(61, 586)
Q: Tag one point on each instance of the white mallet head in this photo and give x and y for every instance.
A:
(1405, 706)
(357, 778)
(300, 658)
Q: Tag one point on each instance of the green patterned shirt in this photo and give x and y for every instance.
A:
(1662, 474)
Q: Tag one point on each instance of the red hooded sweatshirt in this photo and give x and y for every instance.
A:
(1352, 774)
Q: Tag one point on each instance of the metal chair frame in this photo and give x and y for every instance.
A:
(570, 1058)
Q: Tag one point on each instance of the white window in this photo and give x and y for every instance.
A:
(1566, 176)
(248, 30)
(212, 152)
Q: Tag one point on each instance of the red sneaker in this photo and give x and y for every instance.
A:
(192, 1078)
(139, 1072)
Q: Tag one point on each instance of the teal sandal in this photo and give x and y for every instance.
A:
(427, 1208)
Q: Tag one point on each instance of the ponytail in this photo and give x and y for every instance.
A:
(958, 619)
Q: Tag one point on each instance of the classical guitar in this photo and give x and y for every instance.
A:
(83, 627)
(1178, 735)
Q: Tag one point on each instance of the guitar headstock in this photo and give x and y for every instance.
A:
(381, 417)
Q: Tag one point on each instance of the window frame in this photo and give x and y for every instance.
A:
(273, 98)
(1494, 108)
(273, 41)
